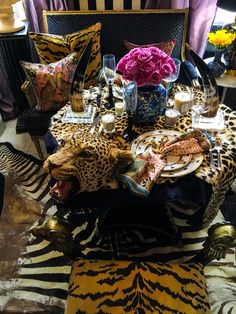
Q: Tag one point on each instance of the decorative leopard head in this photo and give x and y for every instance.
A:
(84, 163)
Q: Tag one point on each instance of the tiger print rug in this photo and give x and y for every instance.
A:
(34, 278)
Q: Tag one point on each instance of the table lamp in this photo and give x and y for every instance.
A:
(8, 21)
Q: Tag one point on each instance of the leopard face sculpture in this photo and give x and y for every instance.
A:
(84, 163)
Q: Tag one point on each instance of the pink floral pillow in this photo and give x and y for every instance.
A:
(52, 82)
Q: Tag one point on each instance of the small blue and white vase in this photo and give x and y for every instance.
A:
(151, 104)
(216, 66)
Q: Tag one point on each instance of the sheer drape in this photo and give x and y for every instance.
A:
(34, 9)
(7, 107)
(201, 16)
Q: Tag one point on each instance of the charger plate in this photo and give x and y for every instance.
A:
(176, 165)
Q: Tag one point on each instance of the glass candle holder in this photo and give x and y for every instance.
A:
(119, 108)
(183, 102)
(171, 117)
(108, 122)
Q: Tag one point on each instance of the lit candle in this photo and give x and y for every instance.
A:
(182, 102)
(108, 121)
(119, 108)
(171, 116)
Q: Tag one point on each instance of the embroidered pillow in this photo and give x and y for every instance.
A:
(52, 82)
(166, 47)
(53, 48)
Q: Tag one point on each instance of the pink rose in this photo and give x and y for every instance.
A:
(132, 66)
(141, 79)
(144, 55)
(128, 76)
(121, 65)
(172, 64)
(148, 67)
(166, 70)
(157, 54)
(158, 64)
(155, 78)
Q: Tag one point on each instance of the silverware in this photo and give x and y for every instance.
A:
(217, 148)
(95, 122)
(100, 130)
(213, 168)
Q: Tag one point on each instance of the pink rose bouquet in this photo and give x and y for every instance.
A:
(146, 66)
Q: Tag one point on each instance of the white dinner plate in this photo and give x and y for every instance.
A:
(176, 165)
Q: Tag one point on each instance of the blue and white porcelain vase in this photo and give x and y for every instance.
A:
(216, 66)
(151, 104)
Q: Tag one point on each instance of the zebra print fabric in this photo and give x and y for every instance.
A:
(42, 275)
(116, 5)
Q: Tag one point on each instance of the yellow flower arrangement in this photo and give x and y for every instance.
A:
(221, 38)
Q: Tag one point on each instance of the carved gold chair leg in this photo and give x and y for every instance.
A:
(220, 238)
(58, 231)
(36, 141)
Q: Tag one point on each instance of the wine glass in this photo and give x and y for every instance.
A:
(109, 68)
(209, 93)
(171, 79)
(130, 92)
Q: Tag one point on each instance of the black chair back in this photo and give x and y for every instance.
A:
(139, 27)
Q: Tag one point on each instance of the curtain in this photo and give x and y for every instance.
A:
(201, 17)
(34, 11)
(7, 106)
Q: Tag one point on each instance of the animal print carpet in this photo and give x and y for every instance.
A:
(34, 278)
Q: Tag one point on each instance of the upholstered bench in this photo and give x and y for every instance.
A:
(98, 286)
(122, 286)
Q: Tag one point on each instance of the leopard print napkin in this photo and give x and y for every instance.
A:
(147, 167)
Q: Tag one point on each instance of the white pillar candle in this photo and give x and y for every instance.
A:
(182, 102)
(119, 108)
(108, 121)
(171, 116)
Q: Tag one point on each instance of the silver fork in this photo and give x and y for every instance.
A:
(218, 148)
(213, 168)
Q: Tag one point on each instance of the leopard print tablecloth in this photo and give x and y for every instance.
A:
(220, 180)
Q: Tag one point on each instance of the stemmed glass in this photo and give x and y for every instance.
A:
(130, 92)
(172, 78)
(109, 68)
(209, 93)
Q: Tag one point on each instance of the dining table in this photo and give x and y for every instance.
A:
(194, 181)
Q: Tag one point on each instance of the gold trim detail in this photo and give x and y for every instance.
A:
(230, 72)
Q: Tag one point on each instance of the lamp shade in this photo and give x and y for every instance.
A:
(8, 22)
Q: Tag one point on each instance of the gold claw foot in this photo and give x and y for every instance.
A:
(58, 232)
(221, 237)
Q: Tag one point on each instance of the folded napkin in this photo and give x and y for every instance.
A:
(192, 142)
(147, 167)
